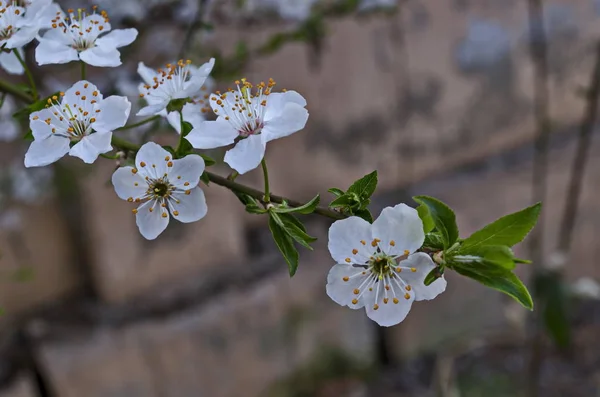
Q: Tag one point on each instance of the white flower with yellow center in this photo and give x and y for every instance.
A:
(20, 22)
(80, 123)
(378, 266)
(251, 119)
(83, 36)
(161, 184)
(176, 81)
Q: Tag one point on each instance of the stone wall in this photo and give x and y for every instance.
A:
(208, 308)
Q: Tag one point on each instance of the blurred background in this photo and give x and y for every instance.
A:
(446, 98)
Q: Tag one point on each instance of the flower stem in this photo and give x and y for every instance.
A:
(28, 73)
(181, 137)
(83, 70)
(15, 91)
(139, 123)
(267, 198)
(123, 144)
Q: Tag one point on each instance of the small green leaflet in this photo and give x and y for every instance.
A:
(285, 244)
(365, 186)
(305, 209)
(428, 224)
(491, 258)
(294, 228)
(336, 192)
(508, 230)
(443, 218)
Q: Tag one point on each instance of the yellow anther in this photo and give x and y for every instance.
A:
(399, 269)
(175, 213)
(164, 215)
(348, 260)
(408, 288)
(142, 164)
(188, 192)
(346, 278)
(130, 199)
(413, 269)
(393, 243)
(135, 211)
(133, 171)
(186, 184)
(387, 287)
(354, 301)
(356, 291)
(385, 300)
(406, 252)
(376, 307)
(395, 300)
(170, 164)
(354, 251)
(407, 296)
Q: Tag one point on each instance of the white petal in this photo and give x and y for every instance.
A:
(278, 100)
(154, 158)
(198, 77)
(191, 208)
(117, 38)
(213, 134)
(46, 151)
(423, 263)
(153, 109)
(348, 235)
(174, 119)
(247, 154)
(186, 170)
(58, 35)
(23, 36)
(151, 223)
(192, 113)
(146, 73)
(342, 292)
(402, 225)
(53, 52)
(124, 181)
(101, 57)
(114, 112)
(40, 129)
(293, 118)
(10, 63)
(78, 91)
(90, 147)
(390, 313)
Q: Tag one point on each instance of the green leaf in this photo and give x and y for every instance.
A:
(204, 178)
(285, 244)
(443, 218)
(307, 208)
(433, 275)
(365, 186)
(523, 261)
(294, 228)
(433, 240)
(428, 224)
(508, 230)
(208, 161)
(553, 299)
(346, 200)
(506, 282)
(336, 192)
(365, 214)
(491, 258)
(28, 136)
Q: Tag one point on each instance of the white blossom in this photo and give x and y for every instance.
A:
(377, 266)
(177, 81)
(161, 184)
(85, 37)
(82, 117)
(251, 119)
(20, 22)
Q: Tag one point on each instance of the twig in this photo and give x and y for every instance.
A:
(15, 91)
(539, 57)
(580, 161)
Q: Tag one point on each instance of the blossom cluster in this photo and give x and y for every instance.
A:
(381, 265)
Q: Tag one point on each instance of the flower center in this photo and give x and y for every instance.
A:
(382, 266)
(10, 15)
(245, 107)
(83, 28)
(170, 80)
(160, 188)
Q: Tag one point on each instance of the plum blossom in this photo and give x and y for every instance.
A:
(85, 37)
(20, 22)
(161, 184)
(378, 267)
(81, 117)
(177, 81)
(249, 119)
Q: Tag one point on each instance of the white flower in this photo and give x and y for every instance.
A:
(9, 128)
(81, 117)
(162, 185)
(377, 265)
(253, 119)
(18, 24)
(78, 37)
(176, 81)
